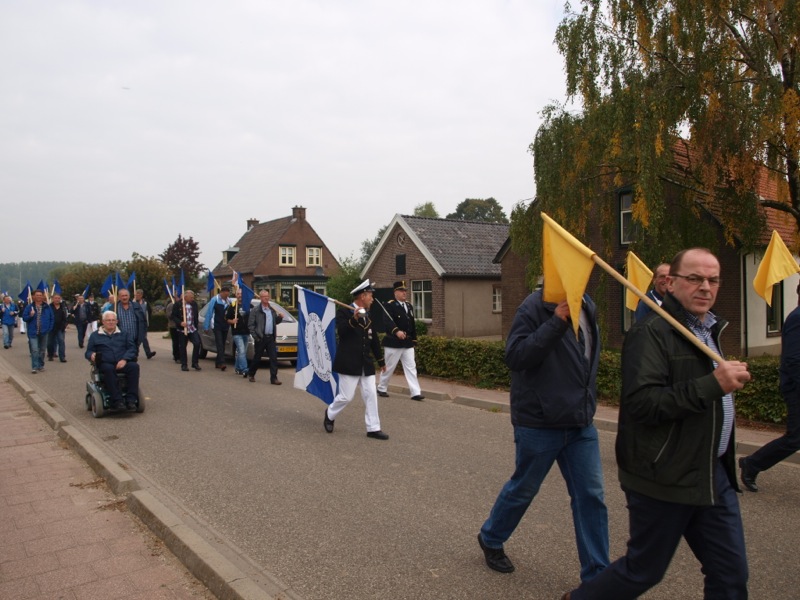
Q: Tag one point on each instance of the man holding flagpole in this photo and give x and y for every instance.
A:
(553, 401)
(354, 363)
(675, 444)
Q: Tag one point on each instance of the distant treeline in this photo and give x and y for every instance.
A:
(14, 275)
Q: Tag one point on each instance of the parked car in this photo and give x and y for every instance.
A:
(285, 340)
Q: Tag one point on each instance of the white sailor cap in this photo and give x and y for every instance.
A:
(364, 286)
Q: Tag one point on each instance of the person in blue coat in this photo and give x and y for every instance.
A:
(553, 401)
(114, 351)
(9, 312)
(38, 317)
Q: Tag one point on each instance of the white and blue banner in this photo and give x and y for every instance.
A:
(316, 345)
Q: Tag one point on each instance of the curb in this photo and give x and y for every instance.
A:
(224, 579)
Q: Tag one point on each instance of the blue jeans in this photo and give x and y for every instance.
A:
(37, 345)
(8, 335)
(240, 343)
(577, 453)
(55, 341)
(714, 534)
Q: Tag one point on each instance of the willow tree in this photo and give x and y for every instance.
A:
(718, 76)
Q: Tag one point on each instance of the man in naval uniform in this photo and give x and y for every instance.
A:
(358, 344)
(399, 342)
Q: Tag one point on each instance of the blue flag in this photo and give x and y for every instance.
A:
(106, 287)
(316, 345)
(119, 283)
(42, 285)
(131, 280)
(56, 287)
(26, 293)
(183, 284)
(247, 295)
(211, 282)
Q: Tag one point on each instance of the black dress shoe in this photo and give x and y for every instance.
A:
(151, 355)
(749, 475)
(184, 368)
(131, 405)
(378, 435)
(327, 423)
(383, 394)
(196, 367)
(252, 378)
(62, 360)
(276, 382)
(495, 558)
(118, 405)
(418, 397)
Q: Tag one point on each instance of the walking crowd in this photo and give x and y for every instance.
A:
(675, 446)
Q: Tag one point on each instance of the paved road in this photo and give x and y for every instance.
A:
(344, 516)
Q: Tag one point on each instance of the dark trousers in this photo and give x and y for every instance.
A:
(714, 534)
(183, 341)
(220, 337)
(783, 447)
(176, 349)
(144, 344)
(81, 327)
(55, 343)
(264, 343)
(111, 383)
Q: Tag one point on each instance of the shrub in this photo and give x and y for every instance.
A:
(158, 322)
(760, 400)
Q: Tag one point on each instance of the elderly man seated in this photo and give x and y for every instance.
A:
(114, 351)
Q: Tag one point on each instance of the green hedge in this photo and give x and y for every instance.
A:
(158, 322)
(481, 364)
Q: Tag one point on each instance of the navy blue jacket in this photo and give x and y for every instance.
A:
(790, 354)
(553, 385)
(111, 348)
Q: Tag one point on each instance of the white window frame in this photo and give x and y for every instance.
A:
(422, 298)
(626, 217)
(288, 256)
(313, 256)
(497, 299)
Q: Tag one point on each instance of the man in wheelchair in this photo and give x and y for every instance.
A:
(113, 352)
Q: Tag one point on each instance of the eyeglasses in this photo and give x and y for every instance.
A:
(698, 280)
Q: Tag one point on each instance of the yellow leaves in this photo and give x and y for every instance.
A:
(790, 105)
(659, 140)
(640, 210)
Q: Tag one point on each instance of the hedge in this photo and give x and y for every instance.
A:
(481, 364)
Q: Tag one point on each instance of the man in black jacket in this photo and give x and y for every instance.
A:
(675, 445)
(55, 339)
(263, 325)
(553, 401)
(399, 342)
(354, 363)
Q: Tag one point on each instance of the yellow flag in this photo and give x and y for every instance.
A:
(777, 264)
(567, 265)
(639, 275)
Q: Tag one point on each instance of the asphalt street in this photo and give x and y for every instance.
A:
(345, 516)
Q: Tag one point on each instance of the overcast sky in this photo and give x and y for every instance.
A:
(124, 124)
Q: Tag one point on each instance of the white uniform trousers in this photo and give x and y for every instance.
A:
(347, 390)
(406, 357)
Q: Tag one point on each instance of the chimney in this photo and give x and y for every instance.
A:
(251, 223)
(299, 213)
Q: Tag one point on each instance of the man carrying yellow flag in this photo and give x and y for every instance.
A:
(656, 294)
(553, 402)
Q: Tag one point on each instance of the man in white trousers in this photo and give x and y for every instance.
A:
(399, 342)
(354, 363)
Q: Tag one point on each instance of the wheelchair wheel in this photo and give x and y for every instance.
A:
(140, 405)
(88, 402)
(98, 410)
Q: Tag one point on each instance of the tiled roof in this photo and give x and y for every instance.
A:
(254, 245)
(462, 248)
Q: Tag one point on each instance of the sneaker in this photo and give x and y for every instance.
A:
(34, 371)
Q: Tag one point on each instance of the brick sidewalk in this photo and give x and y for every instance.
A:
(63, 534)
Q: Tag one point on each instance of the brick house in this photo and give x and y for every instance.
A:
(453, 284)
(754, 327)
(279, 254)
